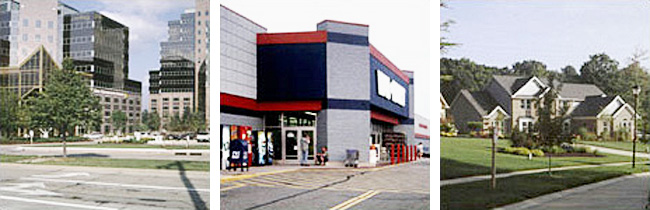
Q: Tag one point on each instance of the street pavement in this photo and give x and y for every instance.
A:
(404, 186)
(26, 186)
(118, 153)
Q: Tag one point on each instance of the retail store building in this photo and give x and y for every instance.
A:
(330, 84)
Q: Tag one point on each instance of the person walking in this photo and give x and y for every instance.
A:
(304, 148)
(420, 150)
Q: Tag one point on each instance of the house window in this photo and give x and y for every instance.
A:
(525, 103)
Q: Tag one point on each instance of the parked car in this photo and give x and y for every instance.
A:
(93, 136)
(172, 137)
(203, 137)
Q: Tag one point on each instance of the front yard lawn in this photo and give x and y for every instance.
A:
(461, 157)
(478, 195)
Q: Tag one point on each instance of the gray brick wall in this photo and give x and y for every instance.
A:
(346, 129)
(347, 71)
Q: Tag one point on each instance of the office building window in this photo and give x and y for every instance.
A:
(107, 99)
(25, 22)
(50, 39)
(115, 100)
(38, 24)
(50, 24)
(25, 37)
(37, 37)
(107, 113)
(207, 13)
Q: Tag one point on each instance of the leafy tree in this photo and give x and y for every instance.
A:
(9, 112)
(65, 103)
(530, 68)
(118, 120)
(444, 27)
(174, 123)
(570, 74)
(196, 122)
(600, 70)
(464, 74)
(549, 123)
(153, 121)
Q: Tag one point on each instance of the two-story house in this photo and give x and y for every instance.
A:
(511, 102)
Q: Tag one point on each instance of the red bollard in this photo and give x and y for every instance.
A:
(415, 152)
(392, 154)
(399, 153)
(408, 156)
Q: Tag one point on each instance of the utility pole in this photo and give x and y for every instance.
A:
(495, 135)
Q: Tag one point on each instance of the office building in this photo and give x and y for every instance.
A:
(202, 60)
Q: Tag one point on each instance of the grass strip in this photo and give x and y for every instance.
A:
(113, 163)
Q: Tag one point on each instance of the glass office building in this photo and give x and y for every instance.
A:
(181, 37)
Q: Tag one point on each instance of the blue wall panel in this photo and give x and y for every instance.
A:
(347, 39)
(382, 102)
(288, 72)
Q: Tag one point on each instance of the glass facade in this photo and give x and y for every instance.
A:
(30, 75)
(176, 75)
(181, 38)
(98, 45)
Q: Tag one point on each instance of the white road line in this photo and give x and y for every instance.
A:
(118, 184)
(54, 203)
(62, 175)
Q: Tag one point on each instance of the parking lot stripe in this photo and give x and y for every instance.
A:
(354, 201)
(236, 185)
(117, 184)
(54, 203)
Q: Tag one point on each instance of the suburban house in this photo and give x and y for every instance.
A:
(510, 102)
(444, 106)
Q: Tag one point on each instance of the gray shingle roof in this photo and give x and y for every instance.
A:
(592, 106)
(482, 101)
(569, 90)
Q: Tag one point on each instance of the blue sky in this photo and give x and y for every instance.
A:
(555, 32)
(147, 22)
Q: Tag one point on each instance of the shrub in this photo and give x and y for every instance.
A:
(553, 150)
(522, 151)
(537, 153)
(589, 136)
(475, 125)
(582, 132)
(606, 136)
(580, 149)
(622, 135)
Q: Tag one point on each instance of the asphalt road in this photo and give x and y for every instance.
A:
(119, 153)
(401, 187)
(24, 186)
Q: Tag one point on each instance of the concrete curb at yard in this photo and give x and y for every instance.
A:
(152, 150)
(553, 196)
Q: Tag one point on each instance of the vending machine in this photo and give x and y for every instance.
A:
(225, 146)
(261, 148)
(269, 150)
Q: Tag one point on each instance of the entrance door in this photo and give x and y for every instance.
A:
(293, 145)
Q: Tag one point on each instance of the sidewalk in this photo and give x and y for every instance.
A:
(228, 176)
(616, 151)
(534, 171)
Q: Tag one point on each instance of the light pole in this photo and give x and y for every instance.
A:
(636, 90)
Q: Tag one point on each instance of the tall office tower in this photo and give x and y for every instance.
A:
(181, 37)
(171, 87)
(99, 46)
(202, 53)
(37, 24)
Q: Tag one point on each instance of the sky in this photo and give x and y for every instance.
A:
(147, 22)
(399, 31)
(555, 32)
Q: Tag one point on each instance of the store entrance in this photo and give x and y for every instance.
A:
(292, 139)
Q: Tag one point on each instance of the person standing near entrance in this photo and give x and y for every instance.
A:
(304, 148)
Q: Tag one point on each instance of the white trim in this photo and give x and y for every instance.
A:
(498, 108)
(444, 102)
(534, 78)
(629, 107)
(615, 99)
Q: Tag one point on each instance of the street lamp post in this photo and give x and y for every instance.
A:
(636, 90)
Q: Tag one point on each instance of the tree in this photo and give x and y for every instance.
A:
(174, 123)
(570, 74)
(153, 121)
(463, 73)
(530, 68)
(65, 103)
(197, 122)
(549, 121)
(600, 70)
(9, 112)
(118, 120)
(444, 27)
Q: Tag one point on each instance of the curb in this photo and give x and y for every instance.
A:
(247, 176)
(557, 195)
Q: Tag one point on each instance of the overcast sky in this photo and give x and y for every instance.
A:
(555, 32)
(147, 22)
(399, 29)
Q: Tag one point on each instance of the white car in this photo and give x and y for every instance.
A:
(203, 137)
(93, 136)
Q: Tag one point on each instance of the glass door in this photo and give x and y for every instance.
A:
(291, 141)
(312, 142)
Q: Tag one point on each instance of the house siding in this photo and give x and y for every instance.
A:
(463, 112)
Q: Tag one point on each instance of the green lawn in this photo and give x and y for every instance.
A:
(116, 163)
(461, 157)
(127, 145)
(621, 145)
(478, 195)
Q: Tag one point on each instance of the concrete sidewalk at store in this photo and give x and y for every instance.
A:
(254, 171)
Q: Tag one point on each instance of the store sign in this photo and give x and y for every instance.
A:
(390, 89)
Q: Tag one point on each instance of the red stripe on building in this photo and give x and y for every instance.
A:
(251, 104)
(336, 21)
(290, 106)
(421, 136)
(292, 38)
(374, 52)
(383, 117)
(423, 126)
(238, 101)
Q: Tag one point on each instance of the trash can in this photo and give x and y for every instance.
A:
(352, 158)
(238, 155)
